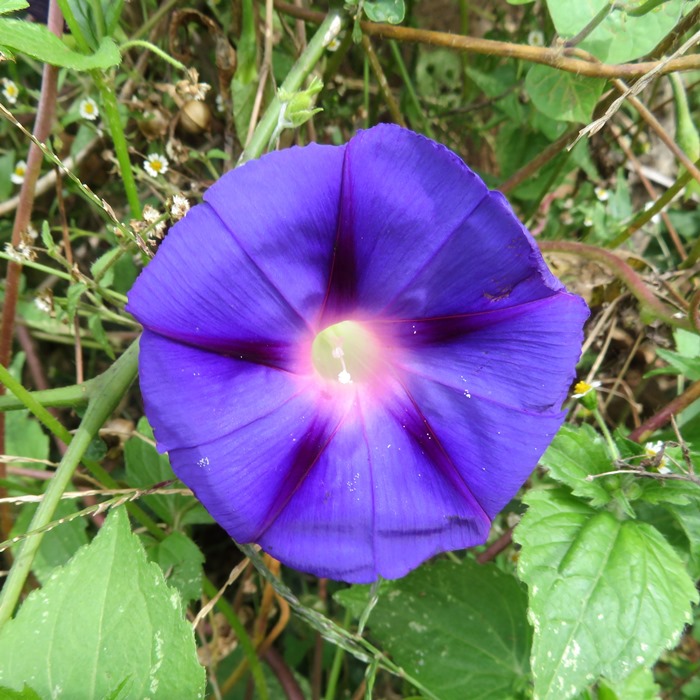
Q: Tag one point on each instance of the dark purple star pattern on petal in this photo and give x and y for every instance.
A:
(354, 355)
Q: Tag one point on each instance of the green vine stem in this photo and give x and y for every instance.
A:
(29, 401)
(410, 89)
(329, 30)
(555, 57)
(604, 11)
(153, 49)
(659, 205)
(624, 272)
(111, 386)
(121, 148)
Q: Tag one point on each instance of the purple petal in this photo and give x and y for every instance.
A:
(421, 235)
(489, 262)
(381, 499)
(475, 347)
(242, 436)
(203, 290)
(403, 196)
(283, 212)
(521, 357)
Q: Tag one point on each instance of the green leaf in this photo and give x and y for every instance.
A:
(672, 491)
(7, 165)
(36, 41)
(688, 519)
(460, 628)
(562, 95)
(103, 268)
(73, 294)
(576, 452)
(105, 617)
(99, 335)
(84, 13)
(391, 11)
(7, 6)
(24, 436)
(145, 467)
(606, 596)
(244, 84)
(181, 561)
(47, 238)
(59, 544)
(243, 96)
(25, 694)
(620, 37)
(639, 685)
(688, 366)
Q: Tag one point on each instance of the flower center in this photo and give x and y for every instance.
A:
(345, 352)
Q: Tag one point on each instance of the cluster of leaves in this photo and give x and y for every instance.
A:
(597, 591)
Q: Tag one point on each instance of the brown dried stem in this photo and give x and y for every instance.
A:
(391, 103)
(658, 420)
(42, 129)
(623, 272)
(558, 57)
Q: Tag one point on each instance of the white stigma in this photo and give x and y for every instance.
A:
(344, 376)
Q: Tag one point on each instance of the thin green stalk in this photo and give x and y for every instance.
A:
(29, 401)
(100, 24)
(12, 590)
(659, 205)
(365, 93)
(152, 21)
(153, 49)
(112, 386)
(73, 25)
(121, 148)
(243, 637)
(337, 664)
(41, 268)
(111, 113)
(600, 17)
(410, 90)
(612, 447)
(329, 29)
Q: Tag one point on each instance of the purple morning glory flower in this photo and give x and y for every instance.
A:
(354, 355)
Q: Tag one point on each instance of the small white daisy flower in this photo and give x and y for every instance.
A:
(10, 90)
(88, 109)
(335, 42)
(656, 219)
(582, 388)
(18, 173)
(156, 164)
(652, 449)
(179, 207)
(602, 194)
(535, 38)
(588, 222)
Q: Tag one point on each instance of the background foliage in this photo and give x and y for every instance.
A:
(117, 582)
